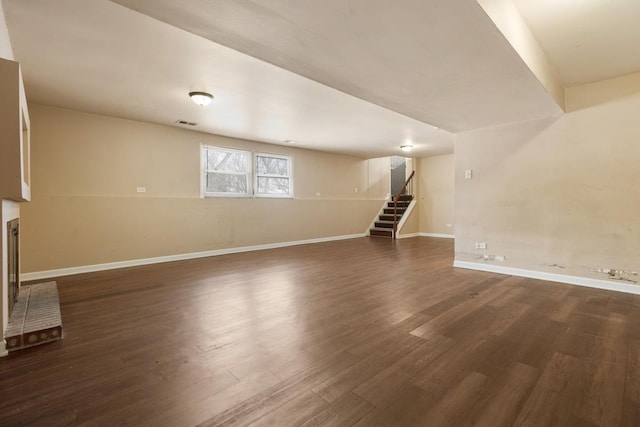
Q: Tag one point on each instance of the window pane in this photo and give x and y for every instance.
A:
(225, 161)
(268, 185)
(272, 166)
(224, 183)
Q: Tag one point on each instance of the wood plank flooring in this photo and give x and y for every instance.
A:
(366, 332)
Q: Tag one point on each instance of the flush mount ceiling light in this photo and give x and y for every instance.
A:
(407, 147)
(291, 141)
(201, 98)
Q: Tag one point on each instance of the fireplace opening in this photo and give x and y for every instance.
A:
(13, 267)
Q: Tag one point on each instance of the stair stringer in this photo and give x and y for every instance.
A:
(375, 218)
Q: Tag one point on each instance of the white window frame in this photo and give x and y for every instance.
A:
(204, 171)
(289, 175)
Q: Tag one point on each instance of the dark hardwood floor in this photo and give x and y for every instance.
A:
(356, 332)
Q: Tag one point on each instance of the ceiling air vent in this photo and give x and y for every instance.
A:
(186, 123)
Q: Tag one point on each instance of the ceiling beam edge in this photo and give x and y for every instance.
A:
(508, 20)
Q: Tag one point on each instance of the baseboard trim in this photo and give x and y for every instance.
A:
(406, 236)
(3, 348)
(48, 274)
(552, 277)
(439, 235)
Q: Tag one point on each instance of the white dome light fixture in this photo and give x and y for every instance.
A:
(406, 148)
(201, 98)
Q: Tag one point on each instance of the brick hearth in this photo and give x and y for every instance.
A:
(35, 318)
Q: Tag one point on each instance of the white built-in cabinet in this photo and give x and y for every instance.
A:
(15, 144)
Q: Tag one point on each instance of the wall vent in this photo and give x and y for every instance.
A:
(186, 123)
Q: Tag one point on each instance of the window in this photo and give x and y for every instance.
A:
(227, 172)
(273, 176)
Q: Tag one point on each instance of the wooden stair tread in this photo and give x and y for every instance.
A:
(383, 226)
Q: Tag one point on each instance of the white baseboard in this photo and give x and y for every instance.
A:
(552, 277)
(39, 275)
(3, 348)
(406, 236)
(442, 236)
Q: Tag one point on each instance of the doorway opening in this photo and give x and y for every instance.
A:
(398, 173)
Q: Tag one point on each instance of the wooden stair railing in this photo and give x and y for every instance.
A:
(407, 190)
(387, 223)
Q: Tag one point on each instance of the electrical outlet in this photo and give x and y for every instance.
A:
(355, 190)
(449, 225)
(318, 194)
(468, 174)
(481, 245)
(141, 189)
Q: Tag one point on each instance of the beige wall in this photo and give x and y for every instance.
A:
(85, 209)
(6, 51)
(379, 177)
(436, 190)
(410, 225)
(558, 196)
(8, 210)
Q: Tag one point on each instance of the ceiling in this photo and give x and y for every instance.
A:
(442, 62)
(586, 40)
(358, 77)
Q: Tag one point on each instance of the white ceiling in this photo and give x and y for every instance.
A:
(442, 62)
(376, 73)
(586, 40)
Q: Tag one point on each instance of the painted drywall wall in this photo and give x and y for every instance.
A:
(6, 51)
(85, 209)
(559, 196)
(8, 210)
(411, 224)
(379, 177)
(436, 194)
(507, 18)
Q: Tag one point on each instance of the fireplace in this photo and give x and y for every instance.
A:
(34, 315)
(13, 267)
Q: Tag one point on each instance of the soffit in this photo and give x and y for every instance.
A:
(586, 40)
(359, 77)
(99, 57)
(442, 62)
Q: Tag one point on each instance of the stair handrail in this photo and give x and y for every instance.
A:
(407, 185)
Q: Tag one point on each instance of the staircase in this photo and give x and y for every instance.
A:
(383, 227)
